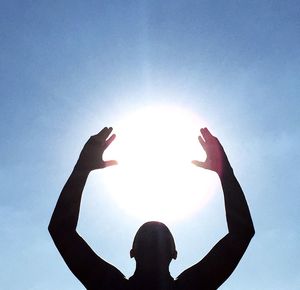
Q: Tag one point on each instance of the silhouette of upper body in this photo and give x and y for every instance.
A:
(153, 247)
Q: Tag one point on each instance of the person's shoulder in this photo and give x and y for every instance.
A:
(112, 279)
(192, 279)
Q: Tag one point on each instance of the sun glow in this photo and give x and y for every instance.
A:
(154, 179)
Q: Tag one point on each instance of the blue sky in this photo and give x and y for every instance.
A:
(69, 68)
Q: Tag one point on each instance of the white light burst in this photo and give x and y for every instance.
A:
(155, 179)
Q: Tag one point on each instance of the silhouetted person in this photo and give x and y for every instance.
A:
(153, 246)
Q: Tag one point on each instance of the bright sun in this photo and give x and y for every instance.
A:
(155, 179)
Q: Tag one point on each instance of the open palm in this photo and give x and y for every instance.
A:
(91, 155)
(216, 158)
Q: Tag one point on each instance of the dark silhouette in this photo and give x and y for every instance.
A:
(153, 247)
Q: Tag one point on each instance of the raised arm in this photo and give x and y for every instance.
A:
(90, 269)
(220, 262)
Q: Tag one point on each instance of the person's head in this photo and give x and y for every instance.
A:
(153, 245)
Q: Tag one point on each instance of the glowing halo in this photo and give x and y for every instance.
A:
(155, 179)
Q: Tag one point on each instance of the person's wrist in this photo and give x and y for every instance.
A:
(81, 170)
(226, 171)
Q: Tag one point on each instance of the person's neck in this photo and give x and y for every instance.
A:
(152, 272)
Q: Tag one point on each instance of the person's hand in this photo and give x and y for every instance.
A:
(216, 159)
(91, 155)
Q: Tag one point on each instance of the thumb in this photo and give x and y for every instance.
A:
(200, 164)
(110, 163)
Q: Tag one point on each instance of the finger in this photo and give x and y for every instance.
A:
(103, 134)
(202, 142)
(106, 132)
(200, 164)
(206, 134)
(110, 163)
(109, 140)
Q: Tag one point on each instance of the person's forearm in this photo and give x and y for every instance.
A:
(66, 212)
(237, 212)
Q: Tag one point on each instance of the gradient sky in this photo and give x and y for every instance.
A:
(68, 68)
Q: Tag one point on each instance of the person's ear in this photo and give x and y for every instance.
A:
(174, 255)
(131, 253)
